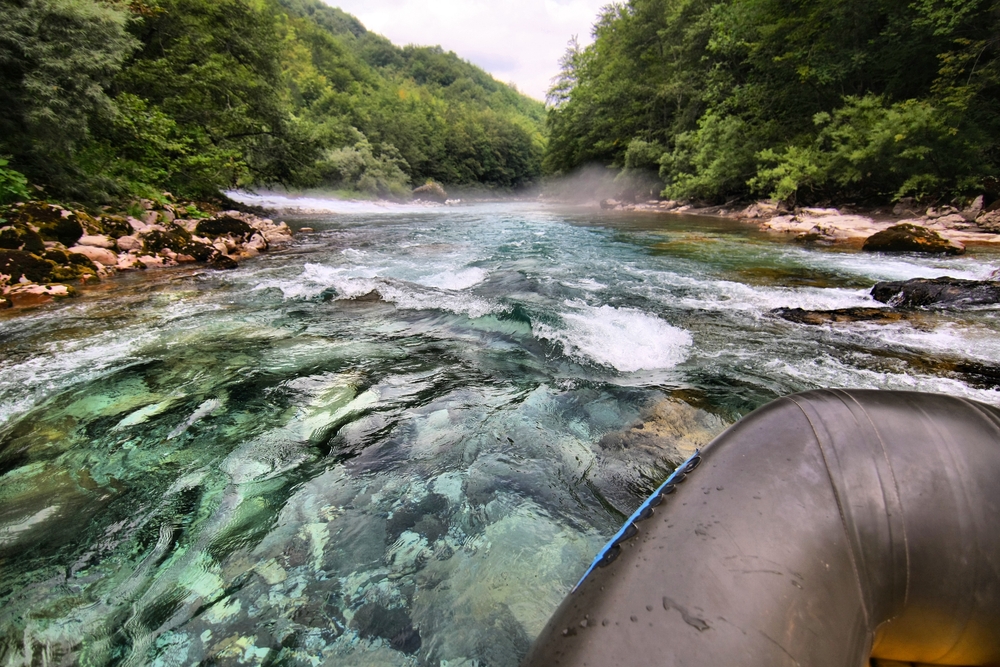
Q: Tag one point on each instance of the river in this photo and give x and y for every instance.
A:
(401, 439)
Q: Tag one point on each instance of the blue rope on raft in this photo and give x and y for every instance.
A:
(629, 529)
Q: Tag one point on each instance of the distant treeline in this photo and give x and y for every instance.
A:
(110, 99)
(803, 100)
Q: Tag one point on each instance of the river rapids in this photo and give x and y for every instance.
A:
(401, 439)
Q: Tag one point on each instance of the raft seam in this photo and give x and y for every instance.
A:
(840, 509)
(899, 498)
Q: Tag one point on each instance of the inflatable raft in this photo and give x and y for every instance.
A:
(824, 529)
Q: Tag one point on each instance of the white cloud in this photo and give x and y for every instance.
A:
(519, 41)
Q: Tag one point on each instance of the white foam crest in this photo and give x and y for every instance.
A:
(316, 278)
(317, 204)
(456, 280)
(625, 339)
(902, 267)
(949, 339)
(732, 296)
(828, 372)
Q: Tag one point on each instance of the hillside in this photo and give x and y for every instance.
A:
(110, 101)
(802, 101)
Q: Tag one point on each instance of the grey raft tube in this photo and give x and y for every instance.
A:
(823, 529)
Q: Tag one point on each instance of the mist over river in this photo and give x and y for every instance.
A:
(401, 439)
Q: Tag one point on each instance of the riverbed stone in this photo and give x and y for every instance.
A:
(96, 241)
(224, 226)
(944, 292)
(51, 222)
(94, 254)
(818, 317)
(908, 237)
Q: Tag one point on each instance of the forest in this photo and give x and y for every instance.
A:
(802, 101)
(110, 100)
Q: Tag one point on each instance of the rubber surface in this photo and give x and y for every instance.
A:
(822, 529)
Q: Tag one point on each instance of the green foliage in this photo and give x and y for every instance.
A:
(13, 185)
(106, 100)
(811, 100)
(358, 168)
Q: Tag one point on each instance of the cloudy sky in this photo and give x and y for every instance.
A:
(517, 41)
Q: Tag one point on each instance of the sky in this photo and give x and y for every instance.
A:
(517, 41)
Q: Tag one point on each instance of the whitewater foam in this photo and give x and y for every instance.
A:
(625, 339)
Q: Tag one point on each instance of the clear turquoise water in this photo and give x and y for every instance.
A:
(249, 468)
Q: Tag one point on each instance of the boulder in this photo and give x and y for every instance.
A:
(115, 226)
(127, 243)
(21, 237)
(5, 303)
(907, 237)
(224, 263)
(97, 241)
(224, 226)
(974, 209)
(53, 223)
(94, 254)
(816, 317)
(944, 292)
(989, 221)
(24, 266)
(431, 192)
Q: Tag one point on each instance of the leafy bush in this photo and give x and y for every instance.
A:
(871, 149)
(358, 168)
(13, 185)
(710, 163)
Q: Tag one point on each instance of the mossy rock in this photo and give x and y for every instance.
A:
(115, 226)
(202, 252)
(176, 239)
(21, 237)
(18, 263)
(73, 273)
(907, 237)
(223, 262)
(216, 227)
(50, 221)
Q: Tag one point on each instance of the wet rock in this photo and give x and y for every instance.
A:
(94, 254)
(816, 317)
(224, 263)
(175, 239)
(21, 237)
(24, 266)
(432, 192)
(394, 625)
(5, 303)
(368, 297)
(907, 237)
(224, 226)
(944, 292)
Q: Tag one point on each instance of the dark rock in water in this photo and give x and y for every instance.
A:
(375, 620)
(941, 292)
(431, 191)
(215, 227)
(816, 317)
(907, 237)
(5, 303)
(367, 297)
(21, 237)
(18, 264)
(223, 262)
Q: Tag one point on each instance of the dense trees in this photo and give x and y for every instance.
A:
(801, 100)
(107, 98)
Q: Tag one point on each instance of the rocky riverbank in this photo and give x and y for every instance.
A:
(944, 229)
(47, 250)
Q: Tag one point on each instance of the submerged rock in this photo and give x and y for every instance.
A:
(907, 237)
(816, 317)
(941, 292)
